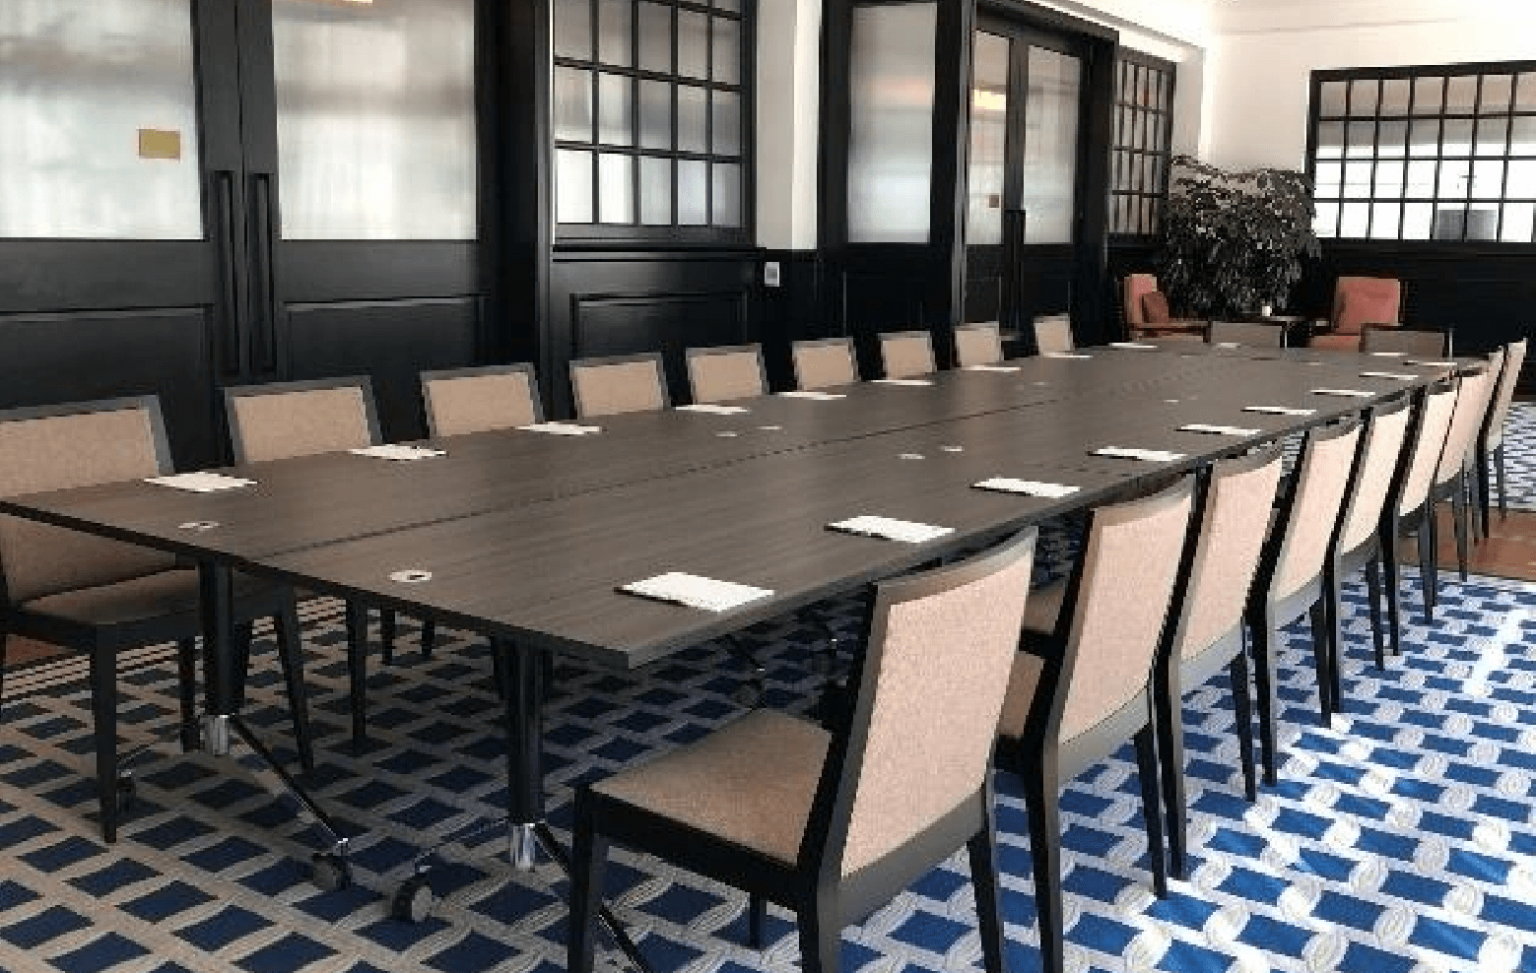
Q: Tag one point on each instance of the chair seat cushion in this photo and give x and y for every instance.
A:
(163, 595)
(1335, 342)
(750, 783)
(1154, 308)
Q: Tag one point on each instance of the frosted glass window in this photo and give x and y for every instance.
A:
(692, 44)
(1327, 222)
(573, 30)
(725, 136)
(726, 195)
(692, 192)
(573, 186)
(655, 115)
(692, 119)
(81, 83)
(1428, 96)
(1492, 135)
(614, 125)
(376, 119)
(1418, 220)
(1519, 223)
(1330, 140)
(989, 133)
(1142, 141)
(1050, 145)
(1394, 140)
(1386, 220)
(890, 141)
(615, 39)
(615, 188)
(655, 37)
(1394, 97)
(655, 191)
(573, 105)
(1498, 89)
(725, 52)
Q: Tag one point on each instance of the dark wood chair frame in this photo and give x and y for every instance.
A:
(103, 643)
(1044, 765)
(1395, 525)
(843, 342)
(903, 335)
(692, 354)
(824, 900)
(1463, 490)
(1447, 336)
(654, 357)
(1492, 462)
(449, 374)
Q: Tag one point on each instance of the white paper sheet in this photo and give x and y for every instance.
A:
(715, 410)
(398, 453)
(201, 482)
(1219, 430)
(906, 531)
(1279, 410)
(1144, 455)
(996, 369)
(1028, 488)
(1396, 376)
(562, 429)
(694, 591)
(814, 396)
(1346, 393)
(1133, 345)
(909, 382)
(1387, 354)
(1432, 364)
(1064, 354)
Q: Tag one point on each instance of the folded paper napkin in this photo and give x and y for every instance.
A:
(912, 382)
(1028, 488)
(1397, 376)
(1219, 430)
(906, 531)
(715, 410)
(201, 482)
(1145, 455)
(1133, 345)
(999, 369)
(1432, 364)
(1387, 354)
(693, 591)
(397, 452)
(814, 396)
(562, 428)
(1064, 354)
(1346, 393)
(1279, 410)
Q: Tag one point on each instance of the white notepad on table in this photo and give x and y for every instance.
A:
(1279, 410)
(1432, 364)
(201, 482)
(906, 531)
(1064, 354)
(715, 410)
(909, 382)
(1144, 455)
(399, 453)
(997, 369)
(814, 396)
(1219, 430)
(1395, 376)
(1346, 393)
(562, 429)
(1387, 354)
(1133, 345)
(1229, 344)
(695, 591)
(1028, 488)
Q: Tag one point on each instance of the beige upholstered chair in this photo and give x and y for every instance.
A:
(1245, 333)
(100, 596)
(722, 374)
(978, 344)
(1490, 451)
(616, 385)
(1454, 477)
(906, 354)
(825, 363)
(1409, 341)
(1207, 630)
(1082, 684)
(834, 825)
(1290, 578)
(469, 400)
(1409, 504)
(1053, 334)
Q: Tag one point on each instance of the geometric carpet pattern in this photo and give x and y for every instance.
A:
(1401, 839)
(1520, 455)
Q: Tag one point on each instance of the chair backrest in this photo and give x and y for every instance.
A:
(614, 385)
(1467, 421)
(1381, 460)
(1427, 344)
(60, 447)
(904, 354)
(1428, 442)
(941, 646)
(978, 344)
(285, 419)
(1514, 359)
(1305, 530)
(721, 374)
(1137, 286)
(1358, 301)
(824, 363)
(467, 400)
(1245, 333)
(1239, 494)
(1053, 334)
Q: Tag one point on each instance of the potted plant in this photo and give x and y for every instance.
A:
(1234, 242)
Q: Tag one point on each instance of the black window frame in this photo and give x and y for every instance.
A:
(709, 234)
(1140, 133)
(1522, 76)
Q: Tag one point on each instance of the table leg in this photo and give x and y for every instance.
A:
(525, 740)
(220, 680)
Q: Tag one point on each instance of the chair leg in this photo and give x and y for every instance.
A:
(1427, 576)
(589, 856)
(757, 918)
(1373, 592)
(1459, 523)
(499, 673)
(186, 680)
(428, 636)
(1394, 589)
(357, 670)
(1042, 800)
(104, 712)
(290, 652)
(387, 636)
(1317, 615)
(244, 636)
(989, 904)
(821, 939)
(5, 641)
(1151, 810)
(1498, 472)
(1242, 708)
(1260, 626)
(1483, 489)
(1169, 717)
(1333, 603)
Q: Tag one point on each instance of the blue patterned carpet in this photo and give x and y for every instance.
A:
(1403, 839)
(1520, 455)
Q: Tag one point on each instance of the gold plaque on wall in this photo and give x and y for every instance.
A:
(157, 143)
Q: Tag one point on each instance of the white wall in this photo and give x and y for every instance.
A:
(1265, 51)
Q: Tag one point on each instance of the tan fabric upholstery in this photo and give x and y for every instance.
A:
(907, 354)
(607, 390)
(1044, 608)
(1136, 287)
(1514, 359)
(1434, 421)
(1467, 420)
(1226, 553)
(1426, 344)
(1022, 683)
(722, 376)
(978, 344)
(465, 404)
(279, 425)
(750, 783)
(1129, 549)
(1054, 334)
(56, 453)
(819, 365)
(159, 595)
(1383, 449)
(1241, 333)
(944, 663)
(1322, 477)
(1334, 342)
(1358, 301)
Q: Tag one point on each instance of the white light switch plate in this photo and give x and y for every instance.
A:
(771, 274)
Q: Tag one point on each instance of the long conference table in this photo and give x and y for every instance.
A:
(526, 537)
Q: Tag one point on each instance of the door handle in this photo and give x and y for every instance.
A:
(229, 283)
(263, 343)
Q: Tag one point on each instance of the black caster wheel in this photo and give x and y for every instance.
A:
(127, 790)
(330, 872)
(748, 694)
(413, 900)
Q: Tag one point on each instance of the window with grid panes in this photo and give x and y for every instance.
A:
(652, 115)
(1425, 153)
(1143, 137)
